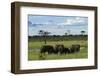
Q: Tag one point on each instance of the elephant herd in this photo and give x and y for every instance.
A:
(59, 49)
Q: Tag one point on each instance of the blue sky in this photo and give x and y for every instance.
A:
(57, 25)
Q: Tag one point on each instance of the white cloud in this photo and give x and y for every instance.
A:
(74, 21)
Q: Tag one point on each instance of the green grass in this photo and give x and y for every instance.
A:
(68, 43)
(34, 54)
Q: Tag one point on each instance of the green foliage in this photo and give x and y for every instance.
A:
(57, 38)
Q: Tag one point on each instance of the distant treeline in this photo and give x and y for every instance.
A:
(57, 38)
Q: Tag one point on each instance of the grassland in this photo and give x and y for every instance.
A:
(34, 50)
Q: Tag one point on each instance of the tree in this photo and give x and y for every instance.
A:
(41, 32)
(44, 34)
(82, 32)
(66, 34)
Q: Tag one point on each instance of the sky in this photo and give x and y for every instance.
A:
(57, 25)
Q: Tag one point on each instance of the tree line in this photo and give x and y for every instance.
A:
(45, 36)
